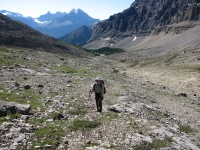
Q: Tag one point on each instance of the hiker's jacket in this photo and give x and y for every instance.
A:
(99, 88)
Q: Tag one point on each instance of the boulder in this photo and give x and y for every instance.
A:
(14, 108)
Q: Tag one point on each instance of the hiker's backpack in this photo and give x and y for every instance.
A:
(101, 82)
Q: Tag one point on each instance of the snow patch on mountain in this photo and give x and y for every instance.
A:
(41, 22)
(13, 14)
(75, 11)
(65, 23)
(134, 38)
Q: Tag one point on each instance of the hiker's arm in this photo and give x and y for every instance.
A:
(92, 90)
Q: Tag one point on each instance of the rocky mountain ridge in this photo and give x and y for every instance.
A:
(147, 17)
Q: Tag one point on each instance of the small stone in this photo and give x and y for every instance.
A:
(37, 147)
(182, 94)
(27, 87)
(50, 120)
(20, 138)
(48, 146)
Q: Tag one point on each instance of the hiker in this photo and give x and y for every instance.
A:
(98, 88)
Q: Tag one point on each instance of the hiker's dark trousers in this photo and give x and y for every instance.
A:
(98, 102)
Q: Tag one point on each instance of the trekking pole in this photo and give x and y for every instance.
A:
(89, 95)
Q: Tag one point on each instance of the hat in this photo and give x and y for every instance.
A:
(97, 78)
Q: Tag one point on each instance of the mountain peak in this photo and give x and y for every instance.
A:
(49, 12)
(12, 14)
(76, 11)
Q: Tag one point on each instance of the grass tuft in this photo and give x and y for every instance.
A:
(156, 144)
(186, 129)
(84, 124)
(50, 135)
(64, 69)
(78, 111)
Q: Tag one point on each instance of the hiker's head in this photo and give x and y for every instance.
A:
(98, 79)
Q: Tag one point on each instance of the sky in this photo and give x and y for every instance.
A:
(98, 9)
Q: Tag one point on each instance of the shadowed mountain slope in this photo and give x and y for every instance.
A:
(79, 36)
(17, 34)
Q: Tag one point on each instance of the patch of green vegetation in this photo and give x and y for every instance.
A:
(39, 121)
(63, 69)
(13, 116)
(8, 60)
(116, 95)
(197, 68)
(2, 119)
(167, 59)
(110, 103)
(91, 144)
(194, 68)
(122, 60)
(134, 125)
(105, 51)
(159, 114)
(109, 116)
(156, 113)
(50, 135)
(27, 95)
(124, 87)
(84, 124)
(198, 110)
(159, 92)
(133, 63)
(150, 61)
(78, 111)
(185, 128)
(3, 50)
(156, 144)
(10, 118)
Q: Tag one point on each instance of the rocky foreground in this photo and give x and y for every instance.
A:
(52, 109)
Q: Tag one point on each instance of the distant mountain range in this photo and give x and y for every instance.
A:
(55, 25)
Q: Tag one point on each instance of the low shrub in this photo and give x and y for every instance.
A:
(84, 124)
(156, 144)
(185, 128)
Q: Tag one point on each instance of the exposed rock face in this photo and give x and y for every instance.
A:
(145, 16)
